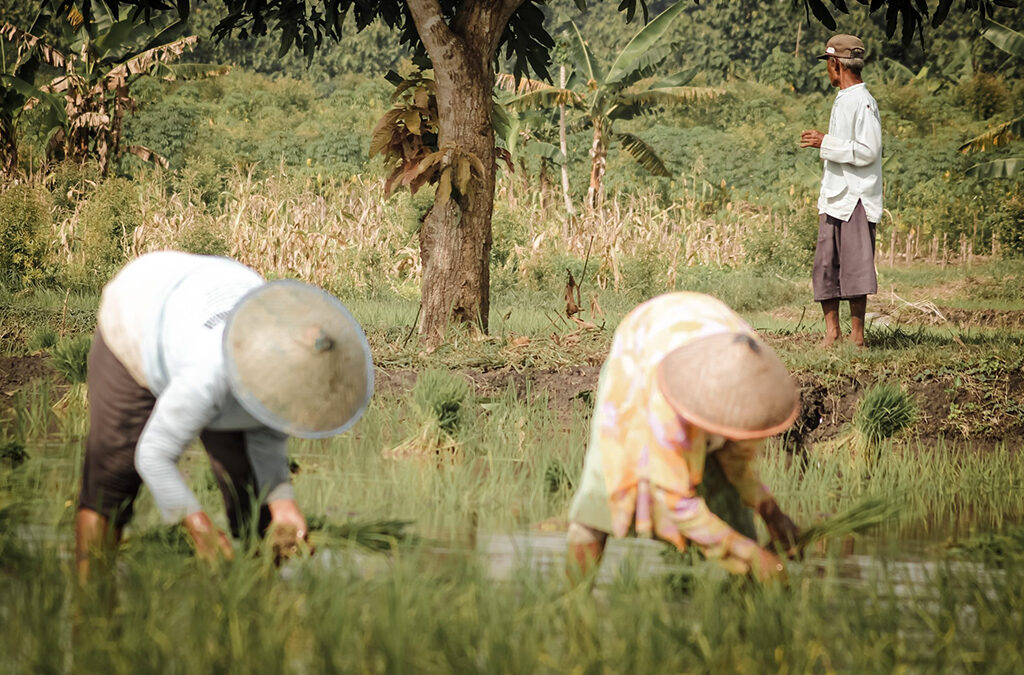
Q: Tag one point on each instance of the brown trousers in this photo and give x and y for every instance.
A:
(844, 259)
(118, 411)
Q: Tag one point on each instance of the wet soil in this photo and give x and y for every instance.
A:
(17, 371)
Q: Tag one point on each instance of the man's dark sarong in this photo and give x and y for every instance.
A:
(844, 260)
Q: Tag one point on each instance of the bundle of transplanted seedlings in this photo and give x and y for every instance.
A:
(884, 411)
(441, 402)
(857, 519)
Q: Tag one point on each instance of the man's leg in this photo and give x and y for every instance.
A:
(858, 307)
(237, 482)
(94, 541)
(825, 276)
(118, 411)
(830, 308)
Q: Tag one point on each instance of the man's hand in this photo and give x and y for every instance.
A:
(211, 544)
(810, 138)
(783, 531)
(288, 530)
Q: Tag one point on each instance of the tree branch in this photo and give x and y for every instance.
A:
(482, 22)
(437, 37)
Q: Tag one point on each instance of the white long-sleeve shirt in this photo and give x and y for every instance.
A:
(852, 150)
(163, 317)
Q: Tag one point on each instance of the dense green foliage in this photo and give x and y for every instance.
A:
(24, 234)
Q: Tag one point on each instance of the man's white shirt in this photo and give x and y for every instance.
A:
(852, 150)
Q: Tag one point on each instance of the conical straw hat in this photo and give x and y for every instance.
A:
(730, 384)
(297, 360)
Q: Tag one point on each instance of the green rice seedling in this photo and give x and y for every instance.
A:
(857, 519)
(375, 535)
(998, 549)
(71, 357)
(441, 401)
(885, 411)
(43, 337)
(442, 397)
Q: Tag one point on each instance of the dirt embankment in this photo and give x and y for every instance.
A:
(982, 417)
(980, 412)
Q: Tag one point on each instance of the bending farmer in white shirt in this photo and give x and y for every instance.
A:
(850, 202)
(193, 346)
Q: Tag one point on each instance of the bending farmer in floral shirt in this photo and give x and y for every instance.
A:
(688, 395)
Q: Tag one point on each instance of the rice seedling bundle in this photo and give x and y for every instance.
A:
(885, 411)
(441, 401)
(861, 517)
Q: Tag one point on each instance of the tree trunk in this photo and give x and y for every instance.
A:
(598, 164)
(564, 147)
(455, 239)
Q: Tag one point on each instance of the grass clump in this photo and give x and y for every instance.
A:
(43, 337)
(71, 357)
(885, 411)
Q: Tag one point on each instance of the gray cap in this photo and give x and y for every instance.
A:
(297, 360)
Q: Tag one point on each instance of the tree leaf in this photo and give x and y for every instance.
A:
(582, 57)
(679, 79)
(1007, 39)
(643, 41)
(462, 175)
(998, 168)
(995, 136)
(444, 187)
(821, 13)
(384, 131)
(411, 118)
(644, 154)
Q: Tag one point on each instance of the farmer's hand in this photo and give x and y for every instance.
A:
(288, 530)
(211, 544)
(767, 567)
(783, 531)
(810, 138)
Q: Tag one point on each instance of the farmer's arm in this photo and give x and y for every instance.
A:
(718, 541)
(737, 459)
(268, 455)
(864, 147)
(182, 410)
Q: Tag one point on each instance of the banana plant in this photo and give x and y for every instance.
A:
(97, 59)
(19, 62)
(627, 89)
(1011, 42)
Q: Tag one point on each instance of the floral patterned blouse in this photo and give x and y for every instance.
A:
(644, 462)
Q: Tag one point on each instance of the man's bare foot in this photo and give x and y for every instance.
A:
(830, 339)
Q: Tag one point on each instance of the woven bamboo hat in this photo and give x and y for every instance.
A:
(297, 360)
(730, 384)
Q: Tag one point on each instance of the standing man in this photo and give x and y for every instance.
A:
(191, 346)
(850, 201)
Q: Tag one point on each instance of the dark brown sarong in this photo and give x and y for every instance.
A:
(118, 411)
(844, 260)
